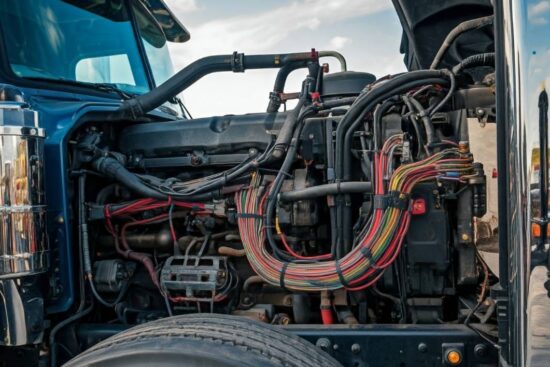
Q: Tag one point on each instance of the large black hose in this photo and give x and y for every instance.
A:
(112, 168)
(115, 170)
(237, 62)
(285, 134)
(324, 190)
(457, 31)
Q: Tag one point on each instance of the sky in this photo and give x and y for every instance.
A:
(366, 32)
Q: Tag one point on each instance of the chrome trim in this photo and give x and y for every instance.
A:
(527, 74)
(23, 241)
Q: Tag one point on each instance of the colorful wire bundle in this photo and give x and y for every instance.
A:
(379, 241)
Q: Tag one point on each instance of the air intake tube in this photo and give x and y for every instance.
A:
(236, 62)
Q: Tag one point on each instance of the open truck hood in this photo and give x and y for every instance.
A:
(426, 23)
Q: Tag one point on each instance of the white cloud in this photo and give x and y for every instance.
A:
(261, 32)
(339, 42)
(183, 6)
(540, 7)
(536, 12)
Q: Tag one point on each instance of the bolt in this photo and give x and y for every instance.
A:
(480, 112)
(335, 347)
(465, 237)
(422, 348)
(195, 160)
(323, 343)
(480, 350)
(60, 219)
(355, 348)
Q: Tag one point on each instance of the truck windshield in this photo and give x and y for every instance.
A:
(90, 41)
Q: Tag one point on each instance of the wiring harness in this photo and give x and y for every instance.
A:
(380, 239)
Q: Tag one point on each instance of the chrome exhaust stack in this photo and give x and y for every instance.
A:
(23, 241)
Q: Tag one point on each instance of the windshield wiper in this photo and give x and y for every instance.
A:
(103, 87)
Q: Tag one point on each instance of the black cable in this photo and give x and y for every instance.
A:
(457, 31)
(484, 59)
(81, 311)
(276, 187)
(344, 135)
(414, 123)
(351, 121)
(101, 300)
(426, 121)
(450, 92)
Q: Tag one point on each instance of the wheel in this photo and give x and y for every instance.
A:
(204, 340)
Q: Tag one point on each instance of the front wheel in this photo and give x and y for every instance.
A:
(204, 340)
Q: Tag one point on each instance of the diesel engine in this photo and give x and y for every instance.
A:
(355, 206)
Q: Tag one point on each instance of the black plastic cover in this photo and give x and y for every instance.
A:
(426, 23)
(346, 83)
(213, 135)
(428, 248)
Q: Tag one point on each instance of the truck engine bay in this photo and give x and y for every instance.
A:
(354, 207)
(353, 202)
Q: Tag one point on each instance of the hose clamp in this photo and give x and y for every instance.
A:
(237, 62)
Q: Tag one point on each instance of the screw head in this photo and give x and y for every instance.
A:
(355, 348)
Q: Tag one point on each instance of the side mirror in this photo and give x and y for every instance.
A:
(149, 28)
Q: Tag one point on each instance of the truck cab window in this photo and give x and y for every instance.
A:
(105, 69)
(88, 40)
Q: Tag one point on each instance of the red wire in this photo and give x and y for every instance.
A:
(301, 257)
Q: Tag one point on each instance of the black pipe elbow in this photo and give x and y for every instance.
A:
(236, 62)
(115, 170)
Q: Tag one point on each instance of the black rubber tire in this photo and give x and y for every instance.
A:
(203, 340)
